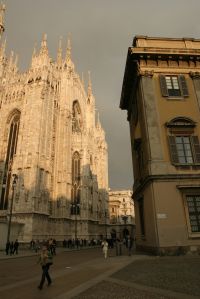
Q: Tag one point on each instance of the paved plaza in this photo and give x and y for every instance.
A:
(85, 274)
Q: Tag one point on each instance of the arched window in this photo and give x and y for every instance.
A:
(76, 184)
(183, 143)
(11, 151)
(76, 117)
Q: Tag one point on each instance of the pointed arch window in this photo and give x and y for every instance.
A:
(11, 151)
(76, 184)
(76, 117)
(183, 143)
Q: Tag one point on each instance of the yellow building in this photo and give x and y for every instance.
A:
(161, 92)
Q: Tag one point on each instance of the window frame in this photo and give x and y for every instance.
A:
(182, 84)
(183, 127)
(185, 193)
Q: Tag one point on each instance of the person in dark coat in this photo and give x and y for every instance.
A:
(129, 245)
(11, 248)
(7, 247)
(15, 247)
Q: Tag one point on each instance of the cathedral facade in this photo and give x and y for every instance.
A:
(52, 143)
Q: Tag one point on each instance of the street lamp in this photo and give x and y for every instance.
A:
(14, 183)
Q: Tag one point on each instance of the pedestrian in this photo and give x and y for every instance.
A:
(36, 245)
(11, 248)
(7, 247)
(32, 244)
(45, 260)
(105, 248)
(15, 247)
(129, 245)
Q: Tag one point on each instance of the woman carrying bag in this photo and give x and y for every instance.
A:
(45, 260)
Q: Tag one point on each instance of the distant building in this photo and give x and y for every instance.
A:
(52, 140)
(122, 215)
(161, 92)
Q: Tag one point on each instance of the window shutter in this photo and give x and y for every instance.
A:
(173, 149)
(183, 85)
(196, 148)
(163, 86)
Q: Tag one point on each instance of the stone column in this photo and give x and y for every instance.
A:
(152, 123)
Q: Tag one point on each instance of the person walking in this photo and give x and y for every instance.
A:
(129, 245)
(45, 260)
(15, 247)
(105, 248)
(7, 247)
(11, 248)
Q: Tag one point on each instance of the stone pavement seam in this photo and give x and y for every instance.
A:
(164, 292)
(86, 285)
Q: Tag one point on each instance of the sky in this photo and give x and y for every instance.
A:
(101, 32)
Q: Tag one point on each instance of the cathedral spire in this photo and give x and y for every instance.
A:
(82, 79)
(34, 50)
(59, 55)
(89, 85)
(3, 48)
(68, 52)
(98, 125)
(16, 61)
(14, 65)
(44, 49)
(2, 11)
(11, 59)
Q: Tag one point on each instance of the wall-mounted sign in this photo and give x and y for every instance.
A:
(161, 216)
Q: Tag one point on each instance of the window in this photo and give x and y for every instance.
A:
(173, 86)
(76, 117)
(184, 145)
(193, 204)
(184, 149)
(11, 151)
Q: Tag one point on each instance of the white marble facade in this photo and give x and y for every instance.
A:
(50, 138)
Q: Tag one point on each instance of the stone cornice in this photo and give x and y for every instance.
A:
(171, 52)
(163, 178)
(157, 54)
(146, 73)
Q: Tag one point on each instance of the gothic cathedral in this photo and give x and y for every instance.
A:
(54, 147)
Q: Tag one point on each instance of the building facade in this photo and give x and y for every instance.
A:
(122, 214)
(50, 138)
(161, 92)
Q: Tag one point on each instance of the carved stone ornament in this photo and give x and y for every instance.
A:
(147, 73)
(195, 75)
